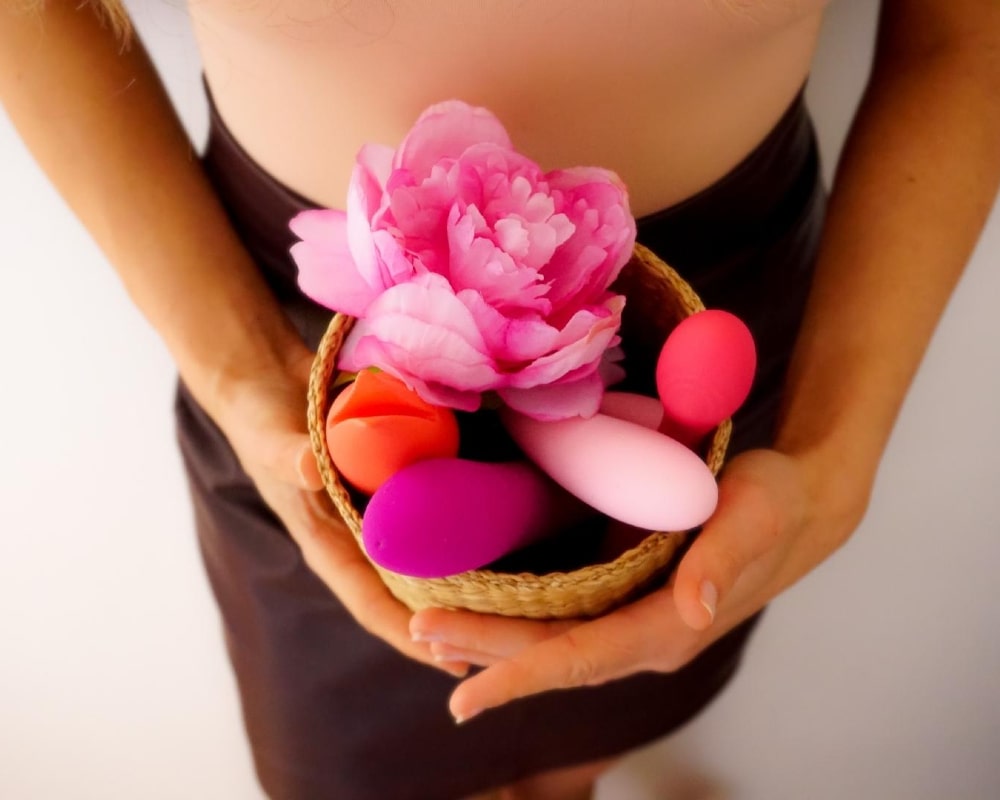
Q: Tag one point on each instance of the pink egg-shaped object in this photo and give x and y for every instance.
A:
(378, 425)
(704, 373)
(624, 470)
(447, 515)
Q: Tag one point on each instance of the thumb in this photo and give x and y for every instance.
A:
(286, 456)
(742, 529)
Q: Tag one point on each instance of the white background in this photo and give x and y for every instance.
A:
(877, 677)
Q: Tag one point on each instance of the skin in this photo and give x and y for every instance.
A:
(706, 80)
(921, 160)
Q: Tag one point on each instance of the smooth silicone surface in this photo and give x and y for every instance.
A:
(444, 516)
(377, 426)
(704, 373)
(637, 408)
(626, 471)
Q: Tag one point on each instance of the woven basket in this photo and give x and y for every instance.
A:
(657, 299)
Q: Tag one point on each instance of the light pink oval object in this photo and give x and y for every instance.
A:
(443, 516)
(637, 408)
(626, 471)
(704, 373)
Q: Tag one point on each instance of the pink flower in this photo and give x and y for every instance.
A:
(472, 270)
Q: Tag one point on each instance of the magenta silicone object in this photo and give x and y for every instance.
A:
(443, 516)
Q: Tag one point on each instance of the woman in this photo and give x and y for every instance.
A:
(696, 107)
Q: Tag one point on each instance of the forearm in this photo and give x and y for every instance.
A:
(100, 124)
(914, 186)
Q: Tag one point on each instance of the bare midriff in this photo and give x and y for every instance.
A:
(671, 94)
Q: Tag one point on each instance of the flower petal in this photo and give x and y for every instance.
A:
(422, 333)
(376, 159)
(561, 400)
(445, 130)
(511, 341)
(476, 262)
(327, 271)
(579, 347)
(596, 202)
(356, 354)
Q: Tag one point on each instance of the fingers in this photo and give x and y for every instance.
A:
(645, 635)
(445, 654)
(331, 552)
(283, 455)
(307, 469)
(734, 564)
(758, 502)
(489, 635)
(288, 457)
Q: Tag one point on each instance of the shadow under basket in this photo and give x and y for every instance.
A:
(657, 298)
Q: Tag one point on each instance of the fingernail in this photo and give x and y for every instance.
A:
(709, 598)
(303, 482)
(444, 658)
(463, 718)
(300, 465)
(423, 636)
(456, 670)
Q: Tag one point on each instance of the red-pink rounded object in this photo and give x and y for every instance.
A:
(704, 373)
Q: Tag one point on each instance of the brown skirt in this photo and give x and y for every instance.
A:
(335, 714)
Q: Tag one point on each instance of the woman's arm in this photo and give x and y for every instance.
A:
(913, 189)
(99, 123)
(914, 186)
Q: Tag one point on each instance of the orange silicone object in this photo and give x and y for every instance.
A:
(377, 426)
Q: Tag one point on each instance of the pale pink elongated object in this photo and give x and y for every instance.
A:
(704, 373)
(443, 516)
(622, 469)
(637, 408)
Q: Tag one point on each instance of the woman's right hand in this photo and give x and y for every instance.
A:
(262, 413)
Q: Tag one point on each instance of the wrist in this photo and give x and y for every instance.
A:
(217, 370)
(837, 482)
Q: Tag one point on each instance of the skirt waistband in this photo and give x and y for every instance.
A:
(740, 210)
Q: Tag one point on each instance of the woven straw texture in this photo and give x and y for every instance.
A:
(657, 299)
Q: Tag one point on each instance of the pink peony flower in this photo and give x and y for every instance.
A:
(472, 270)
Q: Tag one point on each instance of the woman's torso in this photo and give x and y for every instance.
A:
(671, 94)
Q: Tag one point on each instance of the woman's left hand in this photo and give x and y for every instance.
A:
(775, 522)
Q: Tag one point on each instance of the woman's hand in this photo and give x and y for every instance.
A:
(262, 413)
(774, 523)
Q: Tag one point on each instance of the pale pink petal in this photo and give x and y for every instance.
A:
(580, 345)
(596, 202)
(610, 368)
(421, 331)
(368, 351)
(477, 263)
(446, 130)
(561, 400)
(392, 263)
(327, 272)
(376, 159)
(512, 341)
(359, 227)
